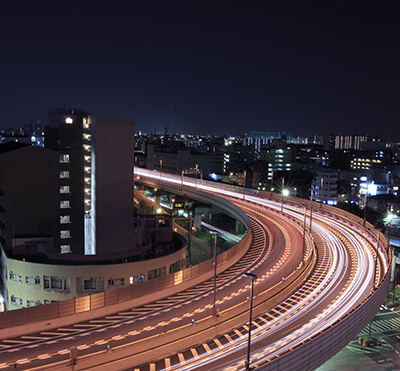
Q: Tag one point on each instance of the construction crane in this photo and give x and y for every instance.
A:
(169, 122)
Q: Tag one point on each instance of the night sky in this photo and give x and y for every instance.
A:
(304, 67)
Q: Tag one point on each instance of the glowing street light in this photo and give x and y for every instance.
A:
(285, 192)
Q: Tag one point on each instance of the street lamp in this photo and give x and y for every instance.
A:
(376, 254)
(272, 182)
(244, 183)
(253, 277)
(285, 192)
(304, 233)
(197, 167)
(312, 194)
(160, 169)
(390, 217)
(365, 206)
(321, 192)
(215, 312)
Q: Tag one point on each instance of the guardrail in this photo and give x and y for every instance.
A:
(121, 298)
(318, 349)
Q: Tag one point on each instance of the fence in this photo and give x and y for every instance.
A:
(147, 291)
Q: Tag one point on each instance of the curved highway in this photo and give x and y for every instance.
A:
(308, 277)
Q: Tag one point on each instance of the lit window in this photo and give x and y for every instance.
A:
(65, 249)
(64, 204)
(64, 174)
(65, 234)
(64, 219)
(64, 189)
(64, 159)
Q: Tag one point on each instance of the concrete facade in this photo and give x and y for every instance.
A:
(114, 214)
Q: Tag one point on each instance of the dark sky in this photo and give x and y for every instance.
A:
(230, 67)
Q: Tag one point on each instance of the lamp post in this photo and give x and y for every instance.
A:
(182, 179)
(283, 184)
(390, 217)
(312, 194)
(197, 167)
(304, 233)
(244, 184)
(160, 169)
(365, 206)
(321, 192)
(253, 277)
(272, 182)
(376, 255)
(190, 242)
(215, 312)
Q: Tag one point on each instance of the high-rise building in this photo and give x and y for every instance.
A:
(113, 211)
(69, 132)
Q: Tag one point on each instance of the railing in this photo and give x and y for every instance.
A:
(318, 349)
(147, 291)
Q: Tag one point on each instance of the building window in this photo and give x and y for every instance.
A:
(116, 282)
(64, 174)
(46, 301)
(64, 205)
(154, 273)
(15, 277)
(65, 219)
(64, 189)
(16, 301)
(89, 283)
(136, 279)
(64, 159)
(65, 249)
(175, 267)
(33, 280)
(65, 234)
(56, 283)
(32, 303)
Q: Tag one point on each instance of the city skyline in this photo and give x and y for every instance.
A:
(298, 67)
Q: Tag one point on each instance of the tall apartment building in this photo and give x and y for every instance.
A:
(280, 157)
(70, 133)
(29, 206)
(325, 187)
(113, 211)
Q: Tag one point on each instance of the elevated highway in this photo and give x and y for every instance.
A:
(319, 283)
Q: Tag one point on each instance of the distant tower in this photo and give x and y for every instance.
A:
(70, 133)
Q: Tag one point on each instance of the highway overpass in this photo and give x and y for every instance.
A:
(321, 277)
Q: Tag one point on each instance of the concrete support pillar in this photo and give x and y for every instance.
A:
(157, 194)
(237, 226)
